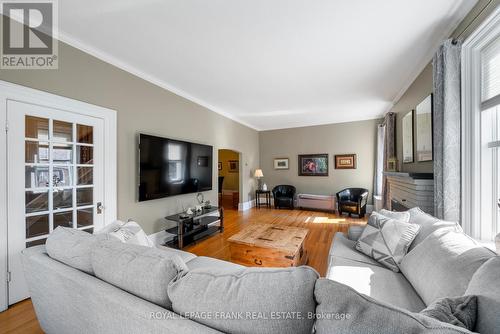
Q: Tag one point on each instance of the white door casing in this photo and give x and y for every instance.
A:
(15, 101)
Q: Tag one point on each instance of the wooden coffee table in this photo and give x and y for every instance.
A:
(266, 245)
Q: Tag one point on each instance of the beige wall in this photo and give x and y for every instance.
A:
(143, 107)
(231, 179)
(422, 86)
(341, 138)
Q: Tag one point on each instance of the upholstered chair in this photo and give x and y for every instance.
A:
(284, 196)
(352, 200)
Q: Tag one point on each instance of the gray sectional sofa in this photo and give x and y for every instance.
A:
(83, 290)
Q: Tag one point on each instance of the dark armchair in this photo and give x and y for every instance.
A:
(352, 200)
(283, 196)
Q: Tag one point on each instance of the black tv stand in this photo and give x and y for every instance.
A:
(191, 228)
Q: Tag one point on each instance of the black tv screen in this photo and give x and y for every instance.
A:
(171, 167)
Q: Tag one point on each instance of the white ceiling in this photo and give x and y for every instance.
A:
(269, 63)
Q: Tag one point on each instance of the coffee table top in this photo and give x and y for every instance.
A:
(285, 238)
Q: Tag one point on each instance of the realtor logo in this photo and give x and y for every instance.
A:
(29, 35)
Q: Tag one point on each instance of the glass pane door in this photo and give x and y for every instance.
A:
(59, 182)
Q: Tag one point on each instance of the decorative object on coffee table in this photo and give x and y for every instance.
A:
(266, 245)
(345, 161)
(313, 165)
(259, 175)
(281, 163)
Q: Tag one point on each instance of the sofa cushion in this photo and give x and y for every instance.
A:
(248, 300)
(73, 247)
(485, 285)
(140, 270)
(458, 311)
(185, 256)
(355, 231)
(375, 281)
(386, 240)
(443, 264)
(398, 215)
(341, 309)
(345, 248)
(129, 232)
(210, 262)
(428, 224)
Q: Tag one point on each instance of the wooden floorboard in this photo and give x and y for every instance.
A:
(21, 318)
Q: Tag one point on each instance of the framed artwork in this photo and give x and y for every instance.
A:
(392, 165)
(408, 137)
(424, 129)
(234, 166)
(313, 165)
(345, 161)
(219, 165)
(281, 163)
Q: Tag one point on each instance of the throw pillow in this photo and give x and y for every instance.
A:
(484, 284)
(73, 247)
(428, 224)
(386, 240)
(341, 309)
(443, 264)
(247, 300)
(129, 232)
(398, 215)
(458, 311)
(142, 271)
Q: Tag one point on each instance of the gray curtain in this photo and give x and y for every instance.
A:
(389, 152)
(379, 166)
(446, 131)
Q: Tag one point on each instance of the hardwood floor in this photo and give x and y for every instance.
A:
(21, 318)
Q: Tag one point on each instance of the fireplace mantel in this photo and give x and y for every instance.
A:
(409, 190)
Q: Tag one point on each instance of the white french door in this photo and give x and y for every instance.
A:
(55, 177)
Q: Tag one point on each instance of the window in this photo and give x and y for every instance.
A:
(481, 131)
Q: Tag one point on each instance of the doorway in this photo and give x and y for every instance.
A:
(229, 179)
(60, 171)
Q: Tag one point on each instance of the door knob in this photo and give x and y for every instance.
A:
(100, 207)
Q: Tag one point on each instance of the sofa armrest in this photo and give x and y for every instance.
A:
(354, 232)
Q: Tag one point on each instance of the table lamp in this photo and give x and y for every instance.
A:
(259, 175)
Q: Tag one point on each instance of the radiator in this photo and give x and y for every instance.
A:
(319, 202)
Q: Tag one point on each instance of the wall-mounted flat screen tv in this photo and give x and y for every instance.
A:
(170, 167)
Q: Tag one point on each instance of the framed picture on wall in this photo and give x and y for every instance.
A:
(313, 165)
(281, 163)
(345, 161)
(408, 137)
(424, 129)
(233, 166)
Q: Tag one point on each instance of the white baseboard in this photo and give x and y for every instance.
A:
(246, 205)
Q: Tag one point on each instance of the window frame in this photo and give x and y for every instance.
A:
(472, 108)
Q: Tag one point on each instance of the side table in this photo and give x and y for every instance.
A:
(267, 193)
